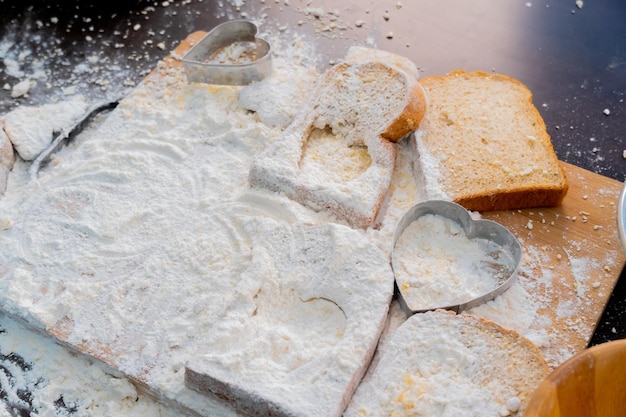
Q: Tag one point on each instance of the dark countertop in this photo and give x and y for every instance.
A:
(573, 59)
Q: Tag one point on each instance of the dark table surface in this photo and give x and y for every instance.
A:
(572, 56)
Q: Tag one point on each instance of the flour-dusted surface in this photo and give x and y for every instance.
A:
(31, 129)
(213, 116)
(46, 380)
(139, 246)
(315, 316)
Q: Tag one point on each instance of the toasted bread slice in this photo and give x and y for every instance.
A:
(338, 154)
(439, 360)
(484, 145)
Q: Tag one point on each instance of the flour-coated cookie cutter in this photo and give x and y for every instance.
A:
(486, 230)
(230, 54)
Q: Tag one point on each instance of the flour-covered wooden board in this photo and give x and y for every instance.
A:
(145, 247)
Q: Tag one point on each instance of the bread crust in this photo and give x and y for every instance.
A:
(410, 118)
(518, 199)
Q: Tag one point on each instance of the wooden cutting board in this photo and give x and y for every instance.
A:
(574, 254)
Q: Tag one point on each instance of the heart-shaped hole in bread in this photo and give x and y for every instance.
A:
(444, 259)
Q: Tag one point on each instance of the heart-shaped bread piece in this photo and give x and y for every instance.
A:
(444, 259)
(338, 154)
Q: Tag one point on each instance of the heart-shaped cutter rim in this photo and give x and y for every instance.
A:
(481, 228)
(222, 35)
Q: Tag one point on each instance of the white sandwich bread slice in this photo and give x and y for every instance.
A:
(484, 145)
(441, 363)
(301, 343)
(338, 154)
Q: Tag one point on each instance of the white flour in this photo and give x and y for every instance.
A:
(437, 265)
(59, 382)
(31, 129)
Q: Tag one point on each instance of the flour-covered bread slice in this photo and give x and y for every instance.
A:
(440, 361)
(338, 154)
(300, 343)
(484, 145)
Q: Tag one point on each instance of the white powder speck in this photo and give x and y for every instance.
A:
(606, 112)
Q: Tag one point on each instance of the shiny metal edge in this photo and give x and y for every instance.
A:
(227, 74)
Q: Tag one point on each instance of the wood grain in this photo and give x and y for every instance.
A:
(577, 244)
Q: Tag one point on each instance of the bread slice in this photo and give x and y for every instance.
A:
(300, 344)
(484, 145)
(439, 361)
(338, 154)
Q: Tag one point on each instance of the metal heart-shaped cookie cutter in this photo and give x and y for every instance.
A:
(486, 230)
(230, 54)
